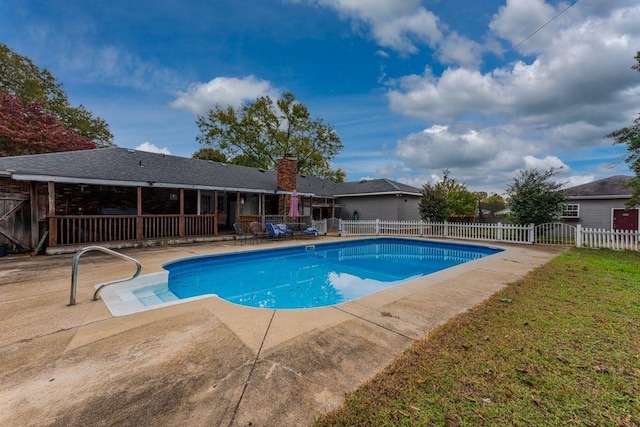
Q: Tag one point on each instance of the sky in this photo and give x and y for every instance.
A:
(483, 89)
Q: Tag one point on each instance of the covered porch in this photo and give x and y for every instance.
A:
(125, 216)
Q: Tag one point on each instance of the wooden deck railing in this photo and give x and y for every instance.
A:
(200, 225)
(81, 229)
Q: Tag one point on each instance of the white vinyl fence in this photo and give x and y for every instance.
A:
(626, 240)
(557, 234)
(491, 232)
(321, 226)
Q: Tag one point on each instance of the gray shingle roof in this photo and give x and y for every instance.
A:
(613, 186)
(122, 166)
(374, 186)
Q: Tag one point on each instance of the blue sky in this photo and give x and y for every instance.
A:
(412, 87)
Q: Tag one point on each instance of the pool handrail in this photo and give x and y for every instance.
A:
(74, 271)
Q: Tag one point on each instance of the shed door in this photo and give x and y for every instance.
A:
(625, 220)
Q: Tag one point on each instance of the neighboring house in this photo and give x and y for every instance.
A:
(378, 199)
(133, 197)
(601, 204)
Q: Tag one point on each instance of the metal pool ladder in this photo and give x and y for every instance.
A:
(74, 271)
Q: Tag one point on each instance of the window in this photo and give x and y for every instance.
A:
(571, 211)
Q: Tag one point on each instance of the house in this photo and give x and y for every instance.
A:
(124, 197)
(378, 199)
(601, 204)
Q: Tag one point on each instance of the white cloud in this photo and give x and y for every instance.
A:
(455, 93)
(401, 32)
(546, 163)
(151, 148)
(224, 91)
(457, 49)
(397, 25)
(519, 18)
(578, 87)
(418, 181)
(575, 180)
(405, 26)
(441, 147)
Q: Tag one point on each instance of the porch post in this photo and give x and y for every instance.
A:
(51, 213)
(238, 205)
(181, 226)
(215, 213)
(139, 217)
(35, 229)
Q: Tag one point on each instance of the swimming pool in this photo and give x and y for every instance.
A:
(304, 276)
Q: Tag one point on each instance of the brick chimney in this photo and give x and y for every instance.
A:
(287, 173)
(287, 179)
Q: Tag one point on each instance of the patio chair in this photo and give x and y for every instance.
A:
(242, 233)
(258, 230)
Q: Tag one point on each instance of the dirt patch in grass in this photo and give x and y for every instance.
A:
(559, 347)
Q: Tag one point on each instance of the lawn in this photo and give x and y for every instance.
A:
(559, 347)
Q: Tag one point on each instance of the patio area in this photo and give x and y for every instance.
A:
(209, 362)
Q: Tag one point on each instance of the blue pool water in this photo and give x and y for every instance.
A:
(315, 275)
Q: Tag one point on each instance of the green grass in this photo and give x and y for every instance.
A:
(559, 347)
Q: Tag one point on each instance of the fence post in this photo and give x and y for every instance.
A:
(446, 229)
(340, 227)
(377, 227)
(579, 235)
(499, 232)
(532, 233)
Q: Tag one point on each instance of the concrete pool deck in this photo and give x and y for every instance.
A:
(209, 362)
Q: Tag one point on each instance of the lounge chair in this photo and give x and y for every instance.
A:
(276, 231)
(286, 230)
(310, 231)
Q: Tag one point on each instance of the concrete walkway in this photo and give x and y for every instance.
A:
(208, 362)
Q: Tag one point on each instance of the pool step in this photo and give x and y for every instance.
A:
(155, 295)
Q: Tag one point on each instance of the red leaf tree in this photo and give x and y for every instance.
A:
(25, 128)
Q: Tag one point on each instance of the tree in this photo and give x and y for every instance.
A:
(493, 203)
(433, 203)
(460, 201)
(20, 77)
(208, 153)
(631, 136)
(534, 197)
(28, 129)
(259, 132)
(445, 199)
(480, 195)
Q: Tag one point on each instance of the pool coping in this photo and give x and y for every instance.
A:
(209, 361)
